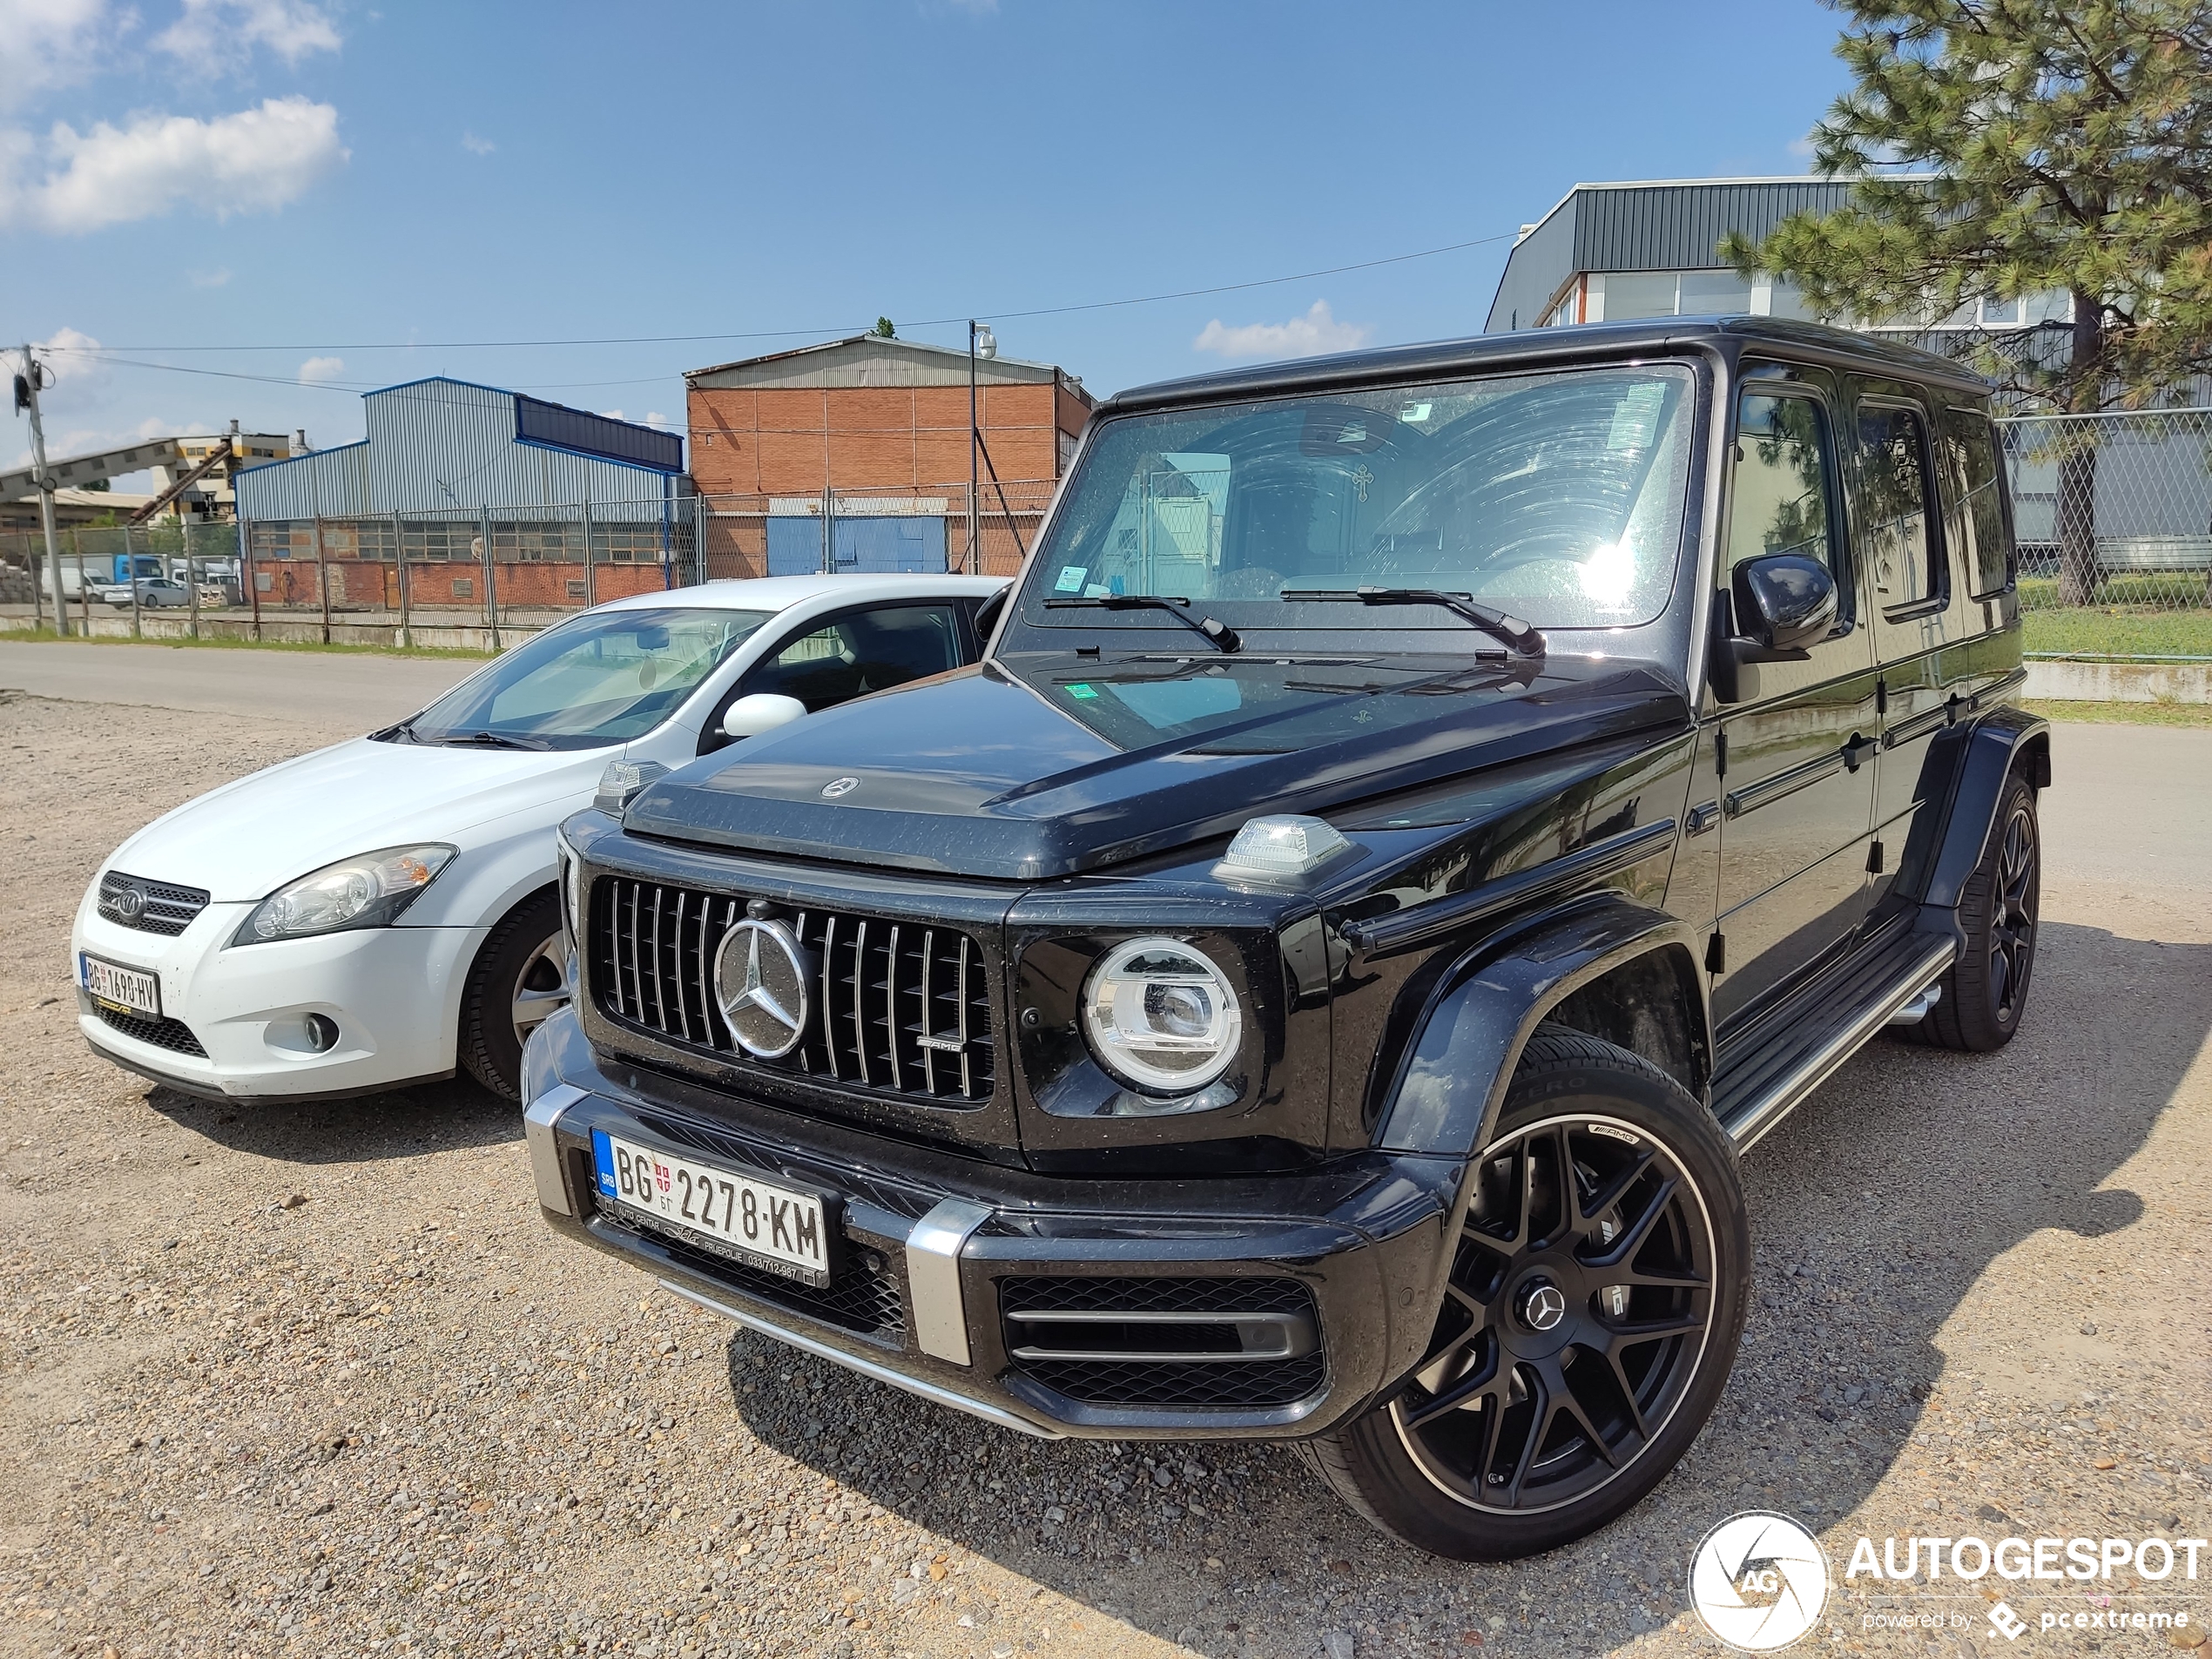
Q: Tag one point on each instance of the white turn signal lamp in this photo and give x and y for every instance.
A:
(622, 781)
(1281, 848)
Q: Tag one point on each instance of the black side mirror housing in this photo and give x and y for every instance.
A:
(1775, 609)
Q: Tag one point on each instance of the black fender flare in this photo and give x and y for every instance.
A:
(1453, 1076)
(2002, 741)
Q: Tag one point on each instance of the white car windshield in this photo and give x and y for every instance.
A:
(602, 679)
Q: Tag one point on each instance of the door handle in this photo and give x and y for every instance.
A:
(1854, 752)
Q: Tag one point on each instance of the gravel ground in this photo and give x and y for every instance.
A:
(315, 1380)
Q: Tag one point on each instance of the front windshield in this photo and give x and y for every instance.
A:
(604, 678)
(1557, 497)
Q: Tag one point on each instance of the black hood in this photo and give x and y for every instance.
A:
(1048, 763)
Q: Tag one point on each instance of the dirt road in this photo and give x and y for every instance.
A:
(315, 1380)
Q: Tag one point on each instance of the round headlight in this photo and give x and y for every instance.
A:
(1161, 1015)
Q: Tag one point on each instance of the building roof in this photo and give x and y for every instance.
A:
(872, 360)
(1645, 225)
(1546, 348)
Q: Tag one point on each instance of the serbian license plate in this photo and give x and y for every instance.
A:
(759, 1222)
(120, 988)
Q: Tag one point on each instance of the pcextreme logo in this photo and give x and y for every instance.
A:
(1759, 1581)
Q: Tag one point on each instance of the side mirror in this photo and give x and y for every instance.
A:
(1784, 603)
(763, 712)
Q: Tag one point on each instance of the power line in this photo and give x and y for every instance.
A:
(782, 333)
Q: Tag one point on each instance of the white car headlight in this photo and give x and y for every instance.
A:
(368, 892)
(1161, 1015)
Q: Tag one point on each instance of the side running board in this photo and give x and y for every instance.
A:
(1789, 1055)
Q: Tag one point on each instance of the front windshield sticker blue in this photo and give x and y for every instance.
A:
(1071, 578)
(1635, 416)
(602, 1160)
(1080, 691)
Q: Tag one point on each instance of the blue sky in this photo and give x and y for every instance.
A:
(367, 191)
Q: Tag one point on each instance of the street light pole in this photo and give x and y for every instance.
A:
(983, 344)
(32, 382)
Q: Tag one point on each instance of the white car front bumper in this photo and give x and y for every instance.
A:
(234, 1019)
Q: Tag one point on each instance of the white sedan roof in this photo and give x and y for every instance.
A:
(779, 593)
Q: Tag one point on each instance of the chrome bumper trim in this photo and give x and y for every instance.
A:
(867, 1368)
(933, 1277)
(538, 1119)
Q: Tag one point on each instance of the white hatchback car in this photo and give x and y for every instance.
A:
(383, 912)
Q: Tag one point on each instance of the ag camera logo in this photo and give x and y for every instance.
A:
(1759, 1581)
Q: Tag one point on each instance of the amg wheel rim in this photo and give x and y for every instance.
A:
(2012, 922)
(1578, 1305)
(541, 989)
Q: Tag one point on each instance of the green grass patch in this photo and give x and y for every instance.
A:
(2072, 714)
(45, 636)
(2117, 630)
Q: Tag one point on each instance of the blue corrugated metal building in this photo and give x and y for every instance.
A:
(440, 446)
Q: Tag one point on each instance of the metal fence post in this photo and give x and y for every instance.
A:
(829, 532)
(491, 588)
(699, 537)
(191, 579)
(590, 577)
(398, 565)
(322, 577)
(130, 566)
(246, 573)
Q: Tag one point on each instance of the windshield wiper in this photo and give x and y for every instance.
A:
(1521, 636)
(1219, 635)
(485, 740)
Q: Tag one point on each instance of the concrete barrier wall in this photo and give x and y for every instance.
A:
(2120, 682)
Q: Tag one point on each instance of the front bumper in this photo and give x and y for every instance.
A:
(235, 1021)
(940, 1249)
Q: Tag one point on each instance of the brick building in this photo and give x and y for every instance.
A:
(854, 454)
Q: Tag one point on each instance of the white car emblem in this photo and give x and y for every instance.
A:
(838, 786)
(765, 1001)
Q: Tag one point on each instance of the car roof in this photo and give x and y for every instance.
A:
(778, 593)
(1548, 348)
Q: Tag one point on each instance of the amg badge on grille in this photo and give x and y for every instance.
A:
(761, 981)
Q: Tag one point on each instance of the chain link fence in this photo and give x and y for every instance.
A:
(472, 576)
(2113, 516)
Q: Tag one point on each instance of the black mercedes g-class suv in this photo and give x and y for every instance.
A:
(1422, 814)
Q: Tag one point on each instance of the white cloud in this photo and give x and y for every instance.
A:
(317, 369)
(72, 358)
(208, 32)
(1316, 332)
(52, 43)
(255, 161)
(476, 146)
(215, 279)
(1801, 149)
(656, 418)
(614, 414)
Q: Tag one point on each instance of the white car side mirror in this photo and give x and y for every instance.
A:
(763, 712)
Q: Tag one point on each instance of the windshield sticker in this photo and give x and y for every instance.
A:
(1100, 589)
(1635, 417)
(1080, 692)
(1414, 414)
(1071, 578)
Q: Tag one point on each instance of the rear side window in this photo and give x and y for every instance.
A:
(1782, 489)
(1902, 547)
(862, 651)
(1970, 469)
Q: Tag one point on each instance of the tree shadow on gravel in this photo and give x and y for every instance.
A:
(1876, 1207)
(402, 1123)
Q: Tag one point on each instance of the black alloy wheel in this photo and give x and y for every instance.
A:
(1986, 992)
(1580, 1302)
(1594, 1304)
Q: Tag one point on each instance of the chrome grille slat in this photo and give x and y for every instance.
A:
(872, 970)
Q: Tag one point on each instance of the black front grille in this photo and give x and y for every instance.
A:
(1222, 1381)
(858, 1299)
(899, 1007)
(149, 906)
(172, 1034)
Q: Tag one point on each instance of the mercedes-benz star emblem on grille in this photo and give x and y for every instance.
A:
(838, 786)
(761, 981)
(125, 904)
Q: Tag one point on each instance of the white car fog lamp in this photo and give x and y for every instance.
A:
(1161, 1015)
(1285, 845)
(366, 892)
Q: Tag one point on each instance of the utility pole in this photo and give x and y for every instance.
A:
(29, 384)
(981, 343)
